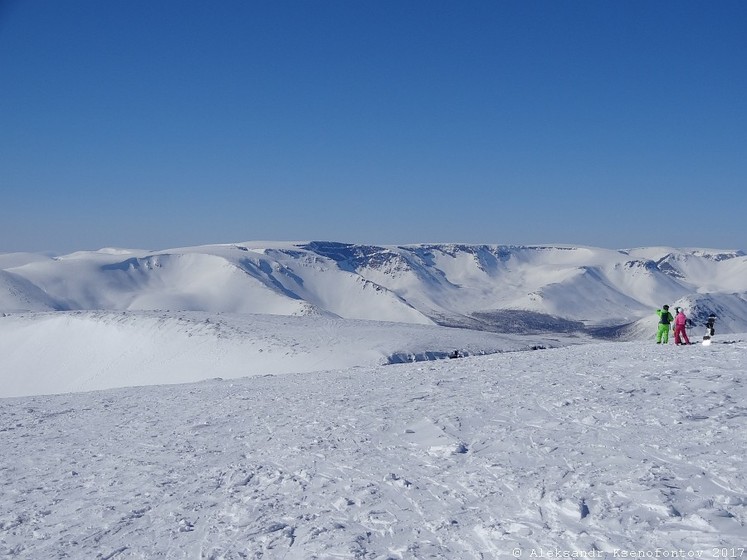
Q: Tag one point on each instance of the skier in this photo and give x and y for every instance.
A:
(665, 318)
(710, 329)
(680, 331)
(710, 325)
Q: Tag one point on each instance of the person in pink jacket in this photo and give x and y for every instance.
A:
(680, 322)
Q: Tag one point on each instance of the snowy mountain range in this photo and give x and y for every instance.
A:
(512, 289)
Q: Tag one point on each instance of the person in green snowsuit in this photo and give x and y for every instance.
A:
(665, 320)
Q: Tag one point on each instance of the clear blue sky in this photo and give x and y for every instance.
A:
(164, 123)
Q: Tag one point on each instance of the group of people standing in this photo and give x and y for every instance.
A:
(666, 320)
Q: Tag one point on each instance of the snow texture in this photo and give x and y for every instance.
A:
(596, 448)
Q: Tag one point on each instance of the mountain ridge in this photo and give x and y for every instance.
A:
(500, 288)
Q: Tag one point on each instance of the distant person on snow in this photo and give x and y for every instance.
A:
(680, 324)
(665, 320)
(711, 325)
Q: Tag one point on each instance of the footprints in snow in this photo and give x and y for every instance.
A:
(434, 439)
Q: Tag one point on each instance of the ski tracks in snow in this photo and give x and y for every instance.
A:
(598, 447)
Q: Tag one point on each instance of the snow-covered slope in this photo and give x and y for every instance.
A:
(489, 287)
(75, 351)
(591, 451)
(19, 294)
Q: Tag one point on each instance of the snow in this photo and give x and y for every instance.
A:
(447, 284)
(278, 400)
(62, 352)
(592, 448)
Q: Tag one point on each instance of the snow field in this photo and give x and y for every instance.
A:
(600, 447)
(61, 352)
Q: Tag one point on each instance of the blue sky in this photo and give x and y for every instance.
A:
(159, 124)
